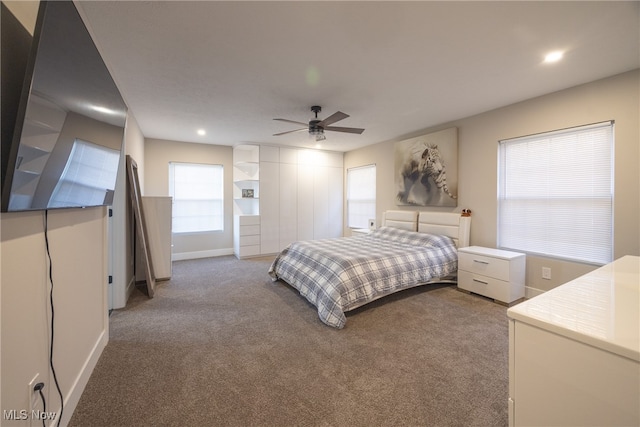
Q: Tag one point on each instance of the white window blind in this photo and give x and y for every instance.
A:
(88, 176)
(198, 197)
(361, 196)
(555, 194)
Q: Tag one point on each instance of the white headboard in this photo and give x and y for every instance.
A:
(450, 224)
(406, 220)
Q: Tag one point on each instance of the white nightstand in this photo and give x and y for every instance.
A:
(493, 273)
(359, 231)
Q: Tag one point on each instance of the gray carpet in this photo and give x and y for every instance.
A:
(222, 345)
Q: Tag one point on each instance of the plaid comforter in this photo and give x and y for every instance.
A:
(338, 275)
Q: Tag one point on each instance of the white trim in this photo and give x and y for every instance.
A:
(71, 402)
(530, 292)
(181, 256)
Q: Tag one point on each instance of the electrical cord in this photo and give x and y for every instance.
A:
(38, 387)
(53, 370)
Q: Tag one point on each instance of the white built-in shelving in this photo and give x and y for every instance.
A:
(246, 200)
(42, 126)
(246, 179)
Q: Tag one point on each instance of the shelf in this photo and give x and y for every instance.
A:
(246, 164)
(246, 176)
(37, 127)
(246, 172)
(31, 159)
(246, 154)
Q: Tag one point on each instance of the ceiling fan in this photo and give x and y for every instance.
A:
(317, 127)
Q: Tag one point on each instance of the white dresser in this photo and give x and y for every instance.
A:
(493, 273)
(246, 229)
(574, 351)
(157, 213)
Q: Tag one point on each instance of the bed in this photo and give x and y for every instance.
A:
(341, 274)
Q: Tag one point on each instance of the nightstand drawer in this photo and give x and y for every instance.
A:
(484, 265)
(249, 230)
(248, 219)
(489, 287)
(249, 240)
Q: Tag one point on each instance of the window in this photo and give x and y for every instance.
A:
(198, 202)
(361, 196)
(555, 194)
(88, 178)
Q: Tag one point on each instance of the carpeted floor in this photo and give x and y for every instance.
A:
(223, 345)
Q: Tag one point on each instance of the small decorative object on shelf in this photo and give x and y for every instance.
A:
(466, 212)
(247, 193)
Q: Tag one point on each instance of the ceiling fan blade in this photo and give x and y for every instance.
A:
(333, 118)
(341, 129)
(290, 131)
(291, 121)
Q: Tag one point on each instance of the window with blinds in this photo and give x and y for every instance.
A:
(361, 196)
(555, 194)
(88, 178)
(198, 197)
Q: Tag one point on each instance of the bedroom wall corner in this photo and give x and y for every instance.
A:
(613, 98)
(158, 153)
(123, 232)
(78, 248)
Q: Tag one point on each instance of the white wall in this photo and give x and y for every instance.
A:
(77, 239)
(78, 245)
(123, 231)
(158, 153)
(615, 98)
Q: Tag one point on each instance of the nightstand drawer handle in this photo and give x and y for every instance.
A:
(480, 262)
(480, 281)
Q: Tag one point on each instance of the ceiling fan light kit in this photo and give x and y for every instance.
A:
(316, 127)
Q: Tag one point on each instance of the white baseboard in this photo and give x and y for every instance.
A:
(201, 254)
(82, 379)
(130, 287)
(532, 292)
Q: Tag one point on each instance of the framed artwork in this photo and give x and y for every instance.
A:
(426, 169)
(247, 193)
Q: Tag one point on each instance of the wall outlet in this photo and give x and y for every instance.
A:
(34, 397)
(546, 273)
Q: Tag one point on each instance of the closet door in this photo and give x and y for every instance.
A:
(321, 202)
(336, 191)
(269, 200)
(305, 203)
(288, 204)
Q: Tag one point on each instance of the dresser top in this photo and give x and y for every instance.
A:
(601, 308)
(494, 253)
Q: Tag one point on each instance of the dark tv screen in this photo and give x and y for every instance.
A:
(67, 141)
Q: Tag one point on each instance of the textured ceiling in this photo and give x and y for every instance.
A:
(396, 68)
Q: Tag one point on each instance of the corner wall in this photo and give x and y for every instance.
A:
(614, 98)
(78, 241)
(78, 244)
(158, 153)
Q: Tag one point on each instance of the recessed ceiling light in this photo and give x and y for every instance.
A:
(554, 56)
(202, 132)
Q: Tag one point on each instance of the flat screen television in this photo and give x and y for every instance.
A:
(66, 144)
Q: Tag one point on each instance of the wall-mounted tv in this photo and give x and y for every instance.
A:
(69, 128)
